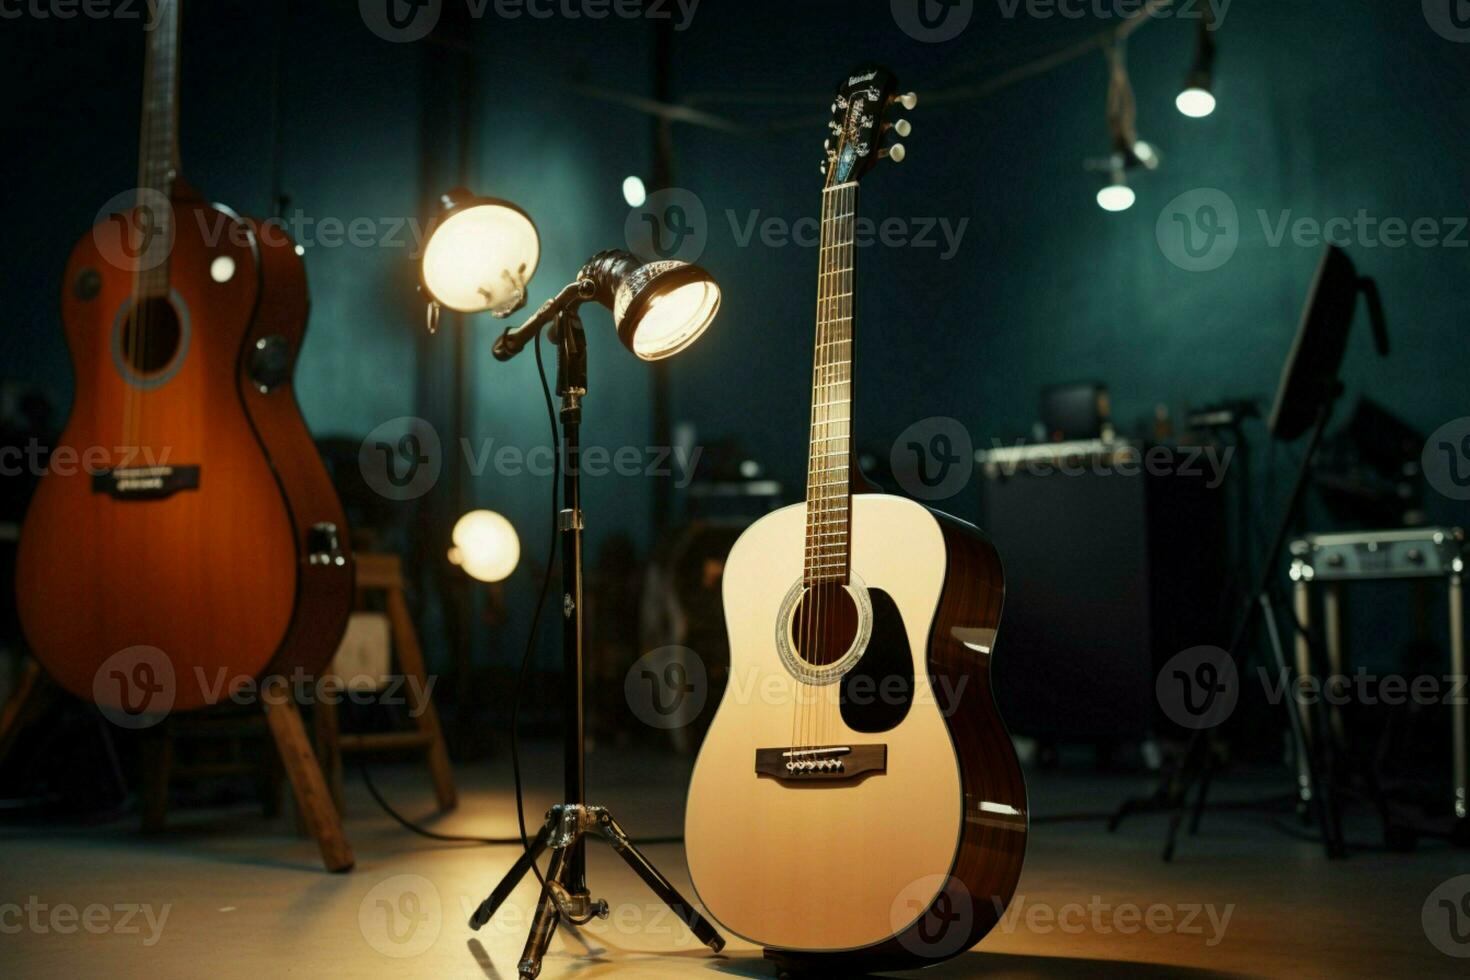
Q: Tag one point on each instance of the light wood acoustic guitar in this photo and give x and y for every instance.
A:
(857, 803)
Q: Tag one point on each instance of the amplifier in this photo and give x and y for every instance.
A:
(1420, 552)
(1114, 562)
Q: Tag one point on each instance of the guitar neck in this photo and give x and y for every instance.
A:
(158, 148)
(829, 490)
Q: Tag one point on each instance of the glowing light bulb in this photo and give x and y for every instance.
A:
(485, 546)
(1116, 197)
(634, 192)
(1196, 103)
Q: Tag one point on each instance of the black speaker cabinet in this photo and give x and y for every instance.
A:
(1114, 559)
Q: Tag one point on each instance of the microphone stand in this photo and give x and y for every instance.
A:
(564, 893)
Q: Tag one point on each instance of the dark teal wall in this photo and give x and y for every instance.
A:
(1325, 108)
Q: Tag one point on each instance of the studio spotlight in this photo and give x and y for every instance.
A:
(659, 308)
(479, 255)
(1197, 99)
(486, 546)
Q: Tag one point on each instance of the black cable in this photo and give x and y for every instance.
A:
(520, 687)
(409, 825)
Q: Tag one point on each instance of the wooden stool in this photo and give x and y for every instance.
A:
(282, 719)
(383, 573)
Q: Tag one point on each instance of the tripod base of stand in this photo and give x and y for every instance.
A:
(566, 825)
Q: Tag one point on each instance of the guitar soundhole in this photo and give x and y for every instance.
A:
(151, 336)
(824, 624)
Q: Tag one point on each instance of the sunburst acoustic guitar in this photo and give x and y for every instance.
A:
(185, 538)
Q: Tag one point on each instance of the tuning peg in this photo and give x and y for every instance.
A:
(908, 100)
(826, 144)
(834, 127)
(823, 168)
(900, 126)
(896, 153)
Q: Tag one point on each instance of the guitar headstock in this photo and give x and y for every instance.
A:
(862, 132)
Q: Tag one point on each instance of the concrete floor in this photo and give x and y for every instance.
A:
(230, 895)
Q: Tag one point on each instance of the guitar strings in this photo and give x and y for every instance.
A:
(811, 600)
(811, 575)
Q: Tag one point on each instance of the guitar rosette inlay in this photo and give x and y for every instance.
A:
(823, 629)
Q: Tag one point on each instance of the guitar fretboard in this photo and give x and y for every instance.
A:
(158, 158)
(828, 488)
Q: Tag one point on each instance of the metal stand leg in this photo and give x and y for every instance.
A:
(660, 885)
(564, 893)
(546, 919)
(1461, 750)
(1301, 595)
(1336, 660)
(1328, 817)
(513, 877)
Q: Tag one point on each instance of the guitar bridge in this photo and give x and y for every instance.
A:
(145, 482)
(825, 763)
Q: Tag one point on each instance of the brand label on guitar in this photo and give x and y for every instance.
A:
(145, 482)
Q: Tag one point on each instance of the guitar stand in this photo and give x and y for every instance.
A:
(566, 824)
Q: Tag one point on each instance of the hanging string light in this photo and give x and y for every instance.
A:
(1129, 152)
(1197, 99)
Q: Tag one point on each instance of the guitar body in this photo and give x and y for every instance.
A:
(179, 506)
(901, 865)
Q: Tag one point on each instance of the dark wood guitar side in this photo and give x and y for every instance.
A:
(325, 588)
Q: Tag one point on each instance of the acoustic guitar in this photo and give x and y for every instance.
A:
(185, 539)
(857, 797)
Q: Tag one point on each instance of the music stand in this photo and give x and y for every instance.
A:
(1305, 398)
